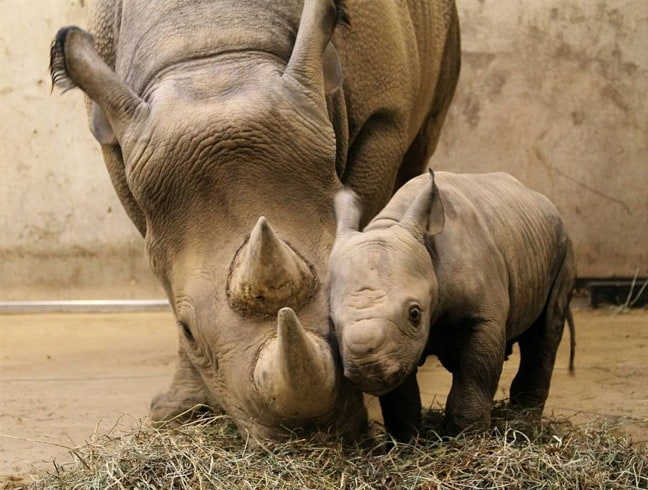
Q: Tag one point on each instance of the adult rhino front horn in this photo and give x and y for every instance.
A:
(268, 274)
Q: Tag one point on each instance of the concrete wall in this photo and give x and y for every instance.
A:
(554, 92)
(63, 232)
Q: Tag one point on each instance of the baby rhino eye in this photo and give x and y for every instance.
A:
(414, 314)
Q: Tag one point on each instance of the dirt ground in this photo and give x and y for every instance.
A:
(65, 376)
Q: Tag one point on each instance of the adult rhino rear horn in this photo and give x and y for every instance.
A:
(267, 274)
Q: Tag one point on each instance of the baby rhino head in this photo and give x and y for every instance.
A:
(383, 289)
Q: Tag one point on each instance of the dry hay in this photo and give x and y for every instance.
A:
(208, 453)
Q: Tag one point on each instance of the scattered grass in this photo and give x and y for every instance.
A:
(208, 453)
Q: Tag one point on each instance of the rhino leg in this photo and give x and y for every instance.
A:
(186, 396)
(539, 345)
(530, 387)
(376, 154)
(474, 381)
(401, 410)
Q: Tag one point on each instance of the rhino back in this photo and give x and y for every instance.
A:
(500, 249)
(519, 226)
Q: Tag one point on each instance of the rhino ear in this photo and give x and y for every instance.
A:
(347, 212)
(436, 219)
(307, 63)
(74, 62)
(425, 215)
(100, 126)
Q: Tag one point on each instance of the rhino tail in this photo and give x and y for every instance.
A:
(572, 339)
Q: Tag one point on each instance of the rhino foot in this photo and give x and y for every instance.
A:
(453, 426)
(187, 397)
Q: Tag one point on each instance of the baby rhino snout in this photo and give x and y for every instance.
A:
(364, 338)
(368, 359)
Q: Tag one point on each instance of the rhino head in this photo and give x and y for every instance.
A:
(383, 287)
(230, 173)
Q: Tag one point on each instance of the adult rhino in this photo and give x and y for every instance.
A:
(220, 117)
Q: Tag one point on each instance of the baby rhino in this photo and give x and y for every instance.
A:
(460, 266)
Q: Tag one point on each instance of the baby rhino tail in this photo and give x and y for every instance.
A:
(572, 340)
(558, 309)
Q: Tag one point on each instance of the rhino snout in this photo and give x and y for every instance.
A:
(364, 338)
(368, 359)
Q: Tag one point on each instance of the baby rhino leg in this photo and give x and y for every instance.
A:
(401, 410)
(539, 345)
(475, 379)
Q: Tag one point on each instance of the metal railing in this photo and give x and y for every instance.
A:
(84, 306)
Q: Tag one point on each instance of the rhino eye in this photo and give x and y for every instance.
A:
(414, 316)
(187, 331)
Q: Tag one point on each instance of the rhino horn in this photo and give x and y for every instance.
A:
(425, 215)
(316, 26)
(295, 373)
(74, 62)
(267, 274)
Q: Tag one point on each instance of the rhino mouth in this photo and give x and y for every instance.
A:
(376, 378)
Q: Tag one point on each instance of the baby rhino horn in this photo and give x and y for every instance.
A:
(267, 274)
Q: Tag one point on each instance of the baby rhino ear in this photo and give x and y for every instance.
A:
(436, 219)
(425, 215)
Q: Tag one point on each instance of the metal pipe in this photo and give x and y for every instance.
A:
(84, 306)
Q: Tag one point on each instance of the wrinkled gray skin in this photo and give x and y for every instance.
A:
(460, 270)
(221, 117)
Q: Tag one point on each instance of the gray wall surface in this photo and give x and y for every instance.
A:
(63, 232)
(554, 92)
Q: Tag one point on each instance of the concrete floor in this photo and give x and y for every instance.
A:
(64, 377)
